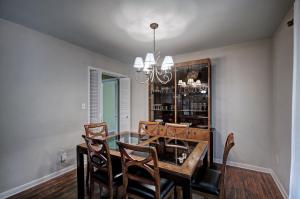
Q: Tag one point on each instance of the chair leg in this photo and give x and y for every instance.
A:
(173, 193)
(110, 193)
(100, 191)
(87, 175)
(91, 188)
(117, 190)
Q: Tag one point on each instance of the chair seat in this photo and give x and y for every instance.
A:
(148, 191)
(207, 182)
(103, 177)
(145, 190)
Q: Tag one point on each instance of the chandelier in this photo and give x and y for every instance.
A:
(150, 68)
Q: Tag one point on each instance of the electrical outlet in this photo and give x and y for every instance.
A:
(63, 157)
(83, 106)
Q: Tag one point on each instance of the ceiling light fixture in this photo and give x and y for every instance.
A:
(150, 67)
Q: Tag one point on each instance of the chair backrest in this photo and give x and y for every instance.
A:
(228, 146)
(96, 129)
(177, 130)
(148, 175)
(99, 156)
(150, 128)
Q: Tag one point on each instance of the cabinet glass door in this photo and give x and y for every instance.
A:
(192, 95)
(162, 108)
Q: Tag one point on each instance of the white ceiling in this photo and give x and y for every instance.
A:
(120, 28)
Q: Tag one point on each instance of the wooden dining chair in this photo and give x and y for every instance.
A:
(211, 183)
(141, 180)
(95, 130)
(100, 169)
(177, 130)
(150, 128)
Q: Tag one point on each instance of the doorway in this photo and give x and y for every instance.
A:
(110, 85)
(109, 99)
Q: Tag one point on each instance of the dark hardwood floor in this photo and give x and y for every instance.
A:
(240, 183)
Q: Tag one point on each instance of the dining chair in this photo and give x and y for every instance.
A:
(211, 183)
(141, 180)
(95, 130)
(177, 130)
(150, 128)
(100, 169)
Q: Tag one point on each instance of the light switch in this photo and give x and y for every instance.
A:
(83, 106)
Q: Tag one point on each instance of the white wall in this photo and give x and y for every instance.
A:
(242, 95)
(139, 101)
(43, 82)
(295, 165)
(282, 100)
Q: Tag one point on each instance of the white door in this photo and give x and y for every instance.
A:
(110, 104)
(124, 101)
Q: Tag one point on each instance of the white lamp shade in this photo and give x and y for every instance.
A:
(190, 81)
(198, 83)
(138, 63)
(167, 63)
(149, 61)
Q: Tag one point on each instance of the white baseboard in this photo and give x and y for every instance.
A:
(260, 169)
(36, 182)
(279, 185)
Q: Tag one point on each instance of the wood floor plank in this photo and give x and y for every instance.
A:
(240, 184)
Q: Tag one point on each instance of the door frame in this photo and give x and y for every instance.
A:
(106, 72)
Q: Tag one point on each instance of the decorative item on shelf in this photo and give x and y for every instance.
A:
(158, 120)
(150, 68)
(192, 86)
(157, 107)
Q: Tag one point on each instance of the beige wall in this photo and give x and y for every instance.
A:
(282, 100)
(43, 82)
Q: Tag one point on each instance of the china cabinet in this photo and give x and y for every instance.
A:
(185, 100)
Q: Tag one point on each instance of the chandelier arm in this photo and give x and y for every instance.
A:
(163, 77)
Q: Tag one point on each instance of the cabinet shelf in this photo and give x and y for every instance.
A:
(192, 111)
(162, 110)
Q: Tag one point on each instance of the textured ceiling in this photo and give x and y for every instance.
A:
(120, 28)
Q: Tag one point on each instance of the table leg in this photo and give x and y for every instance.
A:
(187, 190)
(205, 161)
(80, 173)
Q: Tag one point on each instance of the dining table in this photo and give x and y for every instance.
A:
(178, 158)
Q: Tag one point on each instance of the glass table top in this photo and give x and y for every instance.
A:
(126, 137)
(170, 150)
